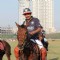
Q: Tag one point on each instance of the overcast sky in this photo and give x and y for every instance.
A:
(9, 13)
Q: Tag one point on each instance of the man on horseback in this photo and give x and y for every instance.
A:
(34, 27)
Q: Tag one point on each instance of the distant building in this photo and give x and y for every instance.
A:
(22, 4)
(6, 30)
(42, 9)
(15, 30)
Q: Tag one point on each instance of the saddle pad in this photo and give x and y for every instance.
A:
(1, 46)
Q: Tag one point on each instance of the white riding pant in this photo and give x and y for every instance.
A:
(40, 45)
(45, 39)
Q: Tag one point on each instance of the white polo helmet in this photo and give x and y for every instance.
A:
(26, 11)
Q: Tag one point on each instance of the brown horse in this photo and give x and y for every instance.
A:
(26, 49)
(5, 49)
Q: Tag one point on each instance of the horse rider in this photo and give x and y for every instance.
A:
(34, 27)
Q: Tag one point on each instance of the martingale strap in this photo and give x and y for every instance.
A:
(21, 47)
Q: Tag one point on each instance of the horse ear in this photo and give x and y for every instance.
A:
(17, 24)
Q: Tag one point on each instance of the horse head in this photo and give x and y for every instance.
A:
(21, 33)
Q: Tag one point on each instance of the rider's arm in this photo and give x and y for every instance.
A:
(37, 26)
(35, 31)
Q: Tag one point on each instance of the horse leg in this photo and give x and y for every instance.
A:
(8, 53)
(1, 54)
(1, 57)
(43, 53)
(8, 57)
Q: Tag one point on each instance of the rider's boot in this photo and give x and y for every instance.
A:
(16, 52)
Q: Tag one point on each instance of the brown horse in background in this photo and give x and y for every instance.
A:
(4, 49)
(26, 49)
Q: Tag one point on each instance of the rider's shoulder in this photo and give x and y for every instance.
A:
(35, 19)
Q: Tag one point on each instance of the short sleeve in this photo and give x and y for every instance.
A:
(37, 23)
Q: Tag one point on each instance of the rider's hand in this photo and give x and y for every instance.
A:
(32, 33)
(35, 31)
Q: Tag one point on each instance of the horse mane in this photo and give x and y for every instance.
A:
(22, 26)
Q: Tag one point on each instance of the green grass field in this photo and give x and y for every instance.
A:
(53, 53)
